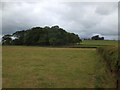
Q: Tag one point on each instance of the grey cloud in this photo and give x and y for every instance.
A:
(84, 19)
(106, 9)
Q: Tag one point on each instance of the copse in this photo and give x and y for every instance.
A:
(41, 36)
(97, 38)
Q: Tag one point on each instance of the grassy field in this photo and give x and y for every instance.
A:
(95, 43)
(99, 42)
(54, 68)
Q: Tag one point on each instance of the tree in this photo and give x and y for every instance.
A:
(45, 36)
(7, 40)
(97, 38)
(19, 37)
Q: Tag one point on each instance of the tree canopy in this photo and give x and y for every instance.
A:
(97, 38)
(41, 36)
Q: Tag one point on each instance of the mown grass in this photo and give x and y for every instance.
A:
(53, 68)
(99, 42)
(95, 43)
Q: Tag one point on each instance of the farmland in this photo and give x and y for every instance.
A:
(45, 67)
(98, 43)
(95, 43)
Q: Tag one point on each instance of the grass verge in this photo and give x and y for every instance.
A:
(110, 56)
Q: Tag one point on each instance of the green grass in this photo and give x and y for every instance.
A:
(110, 56)
(95, 43)
(0, 66)
(53, 68)
(99, 42)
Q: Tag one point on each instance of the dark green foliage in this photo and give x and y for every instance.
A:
(6, 39)
(19, 38)
(97, 38)
(44, 36)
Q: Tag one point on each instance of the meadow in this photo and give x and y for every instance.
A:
(95, 43)
(47, 67)
(98, 43)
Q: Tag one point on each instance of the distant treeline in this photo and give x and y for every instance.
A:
(41, 36)
(96, 37)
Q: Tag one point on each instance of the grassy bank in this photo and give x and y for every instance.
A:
(110, 55)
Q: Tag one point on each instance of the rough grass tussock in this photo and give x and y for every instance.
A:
(110, 55)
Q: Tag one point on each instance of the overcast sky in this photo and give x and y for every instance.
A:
(83, 18)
